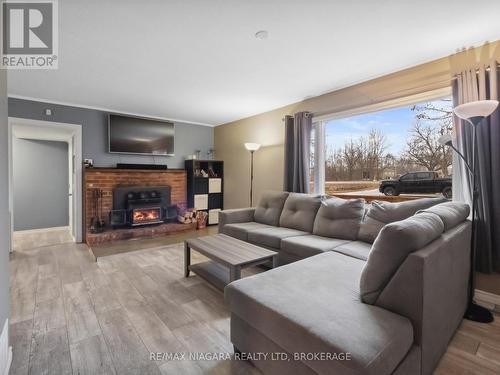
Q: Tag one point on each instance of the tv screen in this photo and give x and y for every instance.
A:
(135, 135)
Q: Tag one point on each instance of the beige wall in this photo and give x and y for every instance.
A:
(267, 128)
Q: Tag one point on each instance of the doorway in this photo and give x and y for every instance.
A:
(45, 201)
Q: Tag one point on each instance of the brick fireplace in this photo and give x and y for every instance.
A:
(112, 179)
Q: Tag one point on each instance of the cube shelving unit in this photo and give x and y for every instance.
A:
(205, 193)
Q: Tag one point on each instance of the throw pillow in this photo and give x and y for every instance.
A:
(394, 243)
(381, 213)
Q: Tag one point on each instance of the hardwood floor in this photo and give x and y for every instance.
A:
(71, 315)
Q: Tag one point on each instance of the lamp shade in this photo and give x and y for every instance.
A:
(445, 140)
(481, 108)
(252, 146)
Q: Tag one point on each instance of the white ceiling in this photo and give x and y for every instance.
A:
(199, 61)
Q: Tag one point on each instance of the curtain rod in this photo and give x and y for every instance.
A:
(307, 113)
(477, 72)
(398, 94)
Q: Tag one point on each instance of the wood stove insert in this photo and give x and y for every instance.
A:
(139, 205)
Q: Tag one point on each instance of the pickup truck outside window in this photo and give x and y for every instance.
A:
(416, 183)
(389, 155)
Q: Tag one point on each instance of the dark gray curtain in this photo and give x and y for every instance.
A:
(297, 152)
(471, 86)
(288, 177)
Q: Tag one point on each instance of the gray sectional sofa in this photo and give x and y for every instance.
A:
(376, 290)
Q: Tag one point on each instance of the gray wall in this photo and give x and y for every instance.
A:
(40, 184)
(4, 203)
(188, 137)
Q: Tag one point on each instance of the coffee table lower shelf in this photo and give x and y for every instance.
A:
(228, 256)
(213, 272)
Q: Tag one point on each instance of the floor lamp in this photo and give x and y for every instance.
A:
(473, 113)
(252, 147)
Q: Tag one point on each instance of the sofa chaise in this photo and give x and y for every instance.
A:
(359, 291)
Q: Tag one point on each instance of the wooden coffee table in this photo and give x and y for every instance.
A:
(228, 256)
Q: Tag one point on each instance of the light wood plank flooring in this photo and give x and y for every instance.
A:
(71, 315)
(28, 239)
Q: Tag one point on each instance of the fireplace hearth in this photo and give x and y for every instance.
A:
(117, 215)
(135, 206)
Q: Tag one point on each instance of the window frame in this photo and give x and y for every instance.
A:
(319, 121)
(319, 156)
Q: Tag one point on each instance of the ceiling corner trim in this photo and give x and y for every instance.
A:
(104, 109)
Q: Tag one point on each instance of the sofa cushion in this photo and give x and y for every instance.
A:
(309, 245)
(240, 230)
(270, 206)
(236, 215)
(381, 213)
(356, 249)
(299, 211)
(313, 306)
(272, 236)
(394, 243)
(339, 218)
(451, 213)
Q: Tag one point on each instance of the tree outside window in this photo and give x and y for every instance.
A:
(361, 151)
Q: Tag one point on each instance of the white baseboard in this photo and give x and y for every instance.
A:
(486, 299)
(41, 230)
(5, 350)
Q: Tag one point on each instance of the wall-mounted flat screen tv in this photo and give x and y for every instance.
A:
(137, 135)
